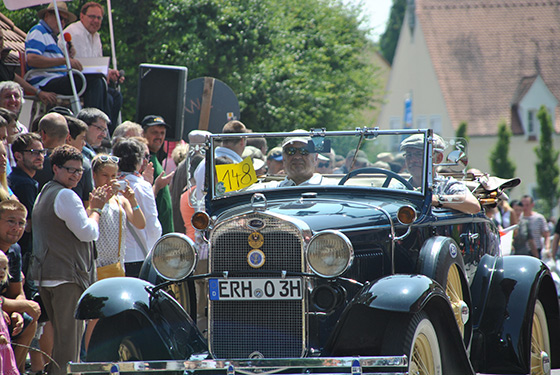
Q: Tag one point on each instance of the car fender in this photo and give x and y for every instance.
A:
(114, 298)
(505, 290)
(362, 327)
(437, 255)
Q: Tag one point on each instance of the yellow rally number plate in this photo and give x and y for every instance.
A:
(232, 177)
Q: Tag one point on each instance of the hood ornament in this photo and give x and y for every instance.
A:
(259, 202)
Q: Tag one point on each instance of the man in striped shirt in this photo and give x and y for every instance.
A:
(42, 52)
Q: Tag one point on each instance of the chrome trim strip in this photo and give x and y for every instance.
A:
(379, 365)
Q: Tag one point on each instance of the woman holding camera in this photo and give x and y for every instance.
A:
(113, 217)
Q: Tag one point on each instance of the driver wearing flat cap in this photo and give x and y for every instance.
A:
(413, 147)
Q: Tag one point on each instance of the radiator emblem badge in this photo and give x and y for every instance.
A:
(256, 240)
(255, 258)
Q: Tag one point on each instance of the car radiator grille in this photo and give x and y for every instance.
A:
(268, 328)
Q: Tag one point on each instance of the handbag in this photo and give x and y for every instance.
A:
(114, 269)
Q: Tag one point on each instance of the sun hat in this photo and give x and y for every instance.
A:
(62, 9)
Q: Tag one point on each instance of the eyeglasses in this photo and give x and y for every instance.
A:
(101, 129)
(94, 17)
(36, 152)
(73, 170)
(323, 165)
(291, 151)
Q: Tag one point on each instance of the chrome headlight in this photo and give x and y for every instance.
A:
(174, 256)
(329, 253)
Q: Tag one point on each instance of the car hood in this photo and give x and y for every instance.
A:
(329, 213)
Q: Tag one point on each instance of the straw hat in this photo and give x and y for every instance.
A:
(62, 9)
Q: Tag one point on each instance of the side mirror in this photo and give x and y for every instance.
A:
(458, 157)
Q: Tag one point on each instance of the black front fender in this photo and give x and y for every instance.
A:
(369, 321)
(505, 290)
(112, 296)
(127, 299)
(360, 330)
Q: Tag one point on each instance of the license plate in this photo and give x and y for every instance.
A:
(255, 289)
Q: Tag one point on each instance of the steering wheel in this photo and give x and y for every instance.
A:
(390, 175)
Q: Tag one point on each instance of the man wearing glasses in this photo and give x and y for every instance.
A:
(30, 155)
(98, 130)
(87, 43)
(63, 263)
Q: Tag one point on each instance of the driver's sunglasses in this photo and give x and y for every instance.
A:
(291, 151)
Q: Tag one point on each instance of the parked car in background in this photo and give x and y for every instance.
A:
(359, 274)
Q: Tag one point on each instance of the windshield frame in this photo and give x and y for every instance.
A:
(361, 133)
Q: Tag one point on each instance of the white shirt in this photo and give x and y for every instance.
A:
(316, 179)
(70, 209)
(152, 232)
(85, 43)
(200, 171)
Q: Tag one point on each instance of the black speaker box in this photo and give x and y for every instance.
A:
(162, 91)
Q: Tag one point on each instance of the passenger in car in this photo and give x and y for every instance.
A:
(443, 186)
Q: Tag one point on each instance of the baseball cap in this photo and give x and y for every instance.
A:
(296, 138)
(153, 120)
(275, 154)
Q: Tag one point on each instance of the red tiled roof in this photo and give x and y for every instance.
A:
(483, 49)
(14, 38)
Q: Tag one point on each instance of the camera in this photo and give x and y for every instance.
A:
(121, 185)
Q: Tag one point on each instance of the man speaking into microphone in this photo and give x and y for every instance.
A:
(83, 37)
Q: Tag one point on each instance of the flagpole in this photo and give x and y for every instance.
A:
(111, 34)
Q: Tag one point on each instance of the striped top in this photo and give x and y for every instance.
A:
(40, 41)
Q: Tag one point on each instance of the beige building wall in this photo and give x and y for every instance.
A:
(412, 74)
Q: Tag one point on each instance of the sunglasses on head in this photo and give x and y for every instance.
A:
(292, 151)
(106, 158)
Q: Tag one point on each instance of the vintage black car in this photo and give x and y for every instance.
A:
(360, 273)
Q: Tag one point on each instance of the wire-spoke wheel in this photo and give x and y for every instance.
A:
(540, 342)
(425, 356)
(454, 291)
(129, 350)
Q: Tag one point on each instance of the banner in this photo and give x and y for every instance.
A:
(20, 4)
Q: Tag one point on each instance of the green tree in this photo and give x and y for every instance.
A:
(500, 163)
(461, 135)
(548, 174)
(389, 39)
(292, 63)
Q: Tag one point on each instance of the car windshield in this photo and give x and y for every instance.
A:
(365, 158)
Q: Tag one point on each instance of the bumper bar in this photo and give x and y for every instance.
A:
(343, 365)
